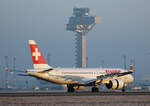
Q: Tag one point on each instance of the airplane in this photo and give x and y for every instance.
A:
(78, 78)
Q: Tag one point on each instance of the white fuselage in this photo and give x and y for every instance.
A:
(78, 75)
(114, 78)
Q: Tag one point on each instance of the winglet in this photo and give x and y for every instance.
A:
(131, 68)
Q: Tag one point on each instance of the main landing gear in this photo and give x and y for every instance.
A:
(95, 89)
(123, 89)
(70, 88)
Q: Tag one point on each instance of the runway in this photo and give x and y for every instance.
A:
(75, 99)
(28, 94)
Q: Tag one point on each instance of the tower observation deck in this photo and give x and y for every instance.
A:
(81, 23)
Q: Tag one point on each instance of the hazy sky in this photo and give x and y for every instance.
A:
(125, 29)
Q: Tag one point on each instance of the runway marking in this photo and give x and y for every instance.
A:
(26, 94)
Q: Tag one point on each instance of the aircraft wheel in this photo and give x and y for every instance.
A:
(70, 88)
(95, 89)
(123, 89)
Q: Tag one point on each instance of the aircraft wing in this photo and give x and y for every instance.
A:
(103, 79)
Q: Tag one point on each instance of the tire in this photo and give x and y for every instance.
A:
(95, 89)
(123, 90)
(70, 88)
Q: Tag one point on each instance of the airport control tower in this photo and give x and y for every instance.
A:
(81, 23)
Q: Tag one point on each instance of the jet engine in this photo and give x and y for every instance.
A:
(115, 84)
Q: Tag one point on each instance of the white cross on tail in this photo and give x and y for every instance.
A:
(36, 54)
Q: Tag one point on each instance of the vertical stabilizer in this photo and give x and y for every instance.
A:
(37, 57)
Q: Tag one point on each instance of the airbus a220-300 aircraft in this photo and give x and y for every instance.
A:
(78, 78)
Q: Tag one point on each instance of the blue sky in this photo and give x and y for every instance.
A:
(124, 30)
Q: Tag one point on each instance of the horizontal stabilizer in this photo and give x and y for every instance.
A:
(45, 70)
(23, 74)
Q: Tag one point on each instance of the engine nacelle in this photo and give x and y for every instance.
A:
(115, 84)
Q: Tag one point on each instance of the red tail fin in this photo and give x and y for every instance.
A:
(37, 57)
